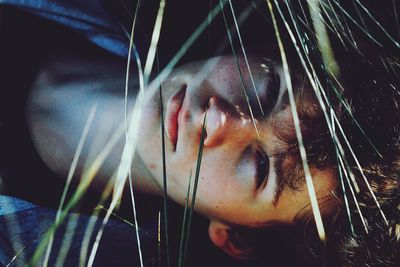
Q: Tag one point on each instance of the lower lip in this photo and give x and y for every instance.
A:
(174, 106)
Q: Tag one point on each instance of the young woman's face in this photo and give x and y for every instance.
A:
(237, 181)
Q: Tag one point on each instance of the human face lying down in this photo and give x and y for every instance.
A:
(248, 168)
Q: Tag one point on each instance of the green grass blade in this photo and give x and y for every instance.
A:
(184, 224)
(309, 182)
(239, 70)
(165, 191)
(196, 181)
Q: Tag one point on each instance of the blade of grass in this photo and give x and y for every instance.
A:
(130, 178)
(159, 239)
(188, 43)
(377, 23)
(196, 181)
(361, 171)
(396, 18)
(322, 38)
(353, 195)
(339, 147)
(357, 24)
(114, 202)
(123, 171)
(132, 49)
(165, 184)
(67, 240)
(346, 201)
(71, 173)
(15, 257)
(154, 42)
(309, 182)
(86, 180)
(239, 70)
(245, 55)
(316, 85)
(89, 231)
(184, 223)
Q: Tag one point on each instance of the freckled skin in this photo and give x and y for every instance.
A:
(223, 192)
(152, 166)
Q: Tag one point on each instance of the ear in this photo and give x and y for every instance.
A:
(230, 240)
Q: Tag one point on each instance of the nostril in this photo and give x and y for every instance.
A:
(215, 122)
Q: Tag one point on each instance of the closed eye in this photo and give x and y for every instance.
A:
(262, 166)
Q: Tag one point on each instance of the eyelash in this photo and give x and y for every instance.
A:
(262, 165)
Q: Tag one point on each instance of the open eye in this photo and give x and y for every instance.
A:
(262, 165)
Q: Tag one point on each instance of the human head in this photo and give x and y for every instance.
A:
(242, 168)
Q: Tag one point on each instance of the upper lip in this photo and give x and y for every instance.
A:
(174, 106)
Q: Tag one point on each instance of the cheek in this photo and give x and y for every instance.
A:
(148, 147)
(219, 189)
(220, 175)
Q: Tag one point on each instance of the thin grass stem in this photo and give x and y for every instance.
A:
(165, 184)
(245, 56)
(239, 70)
(184, 224)
(361, 171)
(154, 43)
(70, 175)
(377, 23)
(307, 173)
(67, 240)
(196, 181)
(188, 43)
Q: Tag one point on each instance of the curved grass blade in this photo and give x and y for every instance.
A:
(159, 238)
(196, 181)
(353, 195)
(307, 173)
(165, 191)
(67, 240)
(396, 18)
(141, 86)
(71, 173)
(361, 171)
(244, 55)
(154, 42)
(184, 224)
(87, 178)
(239, 70)
(357, 24)
(316, 84)
(92, 221)
(188, 43)
(346, 201)
(334, 116)
(322, 38)
(123, 172)
(377, 23)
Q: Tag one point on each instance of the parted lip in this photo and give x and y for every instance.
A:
(174, 106)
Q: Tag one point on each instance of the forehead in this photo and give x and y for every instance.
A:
(279, 137)
(297, 201)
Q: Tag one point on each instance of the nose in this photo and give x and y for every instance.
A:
(222, 122)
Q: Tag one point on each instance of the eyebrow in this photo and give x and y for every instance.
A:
(280, 184)
(282, 177)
